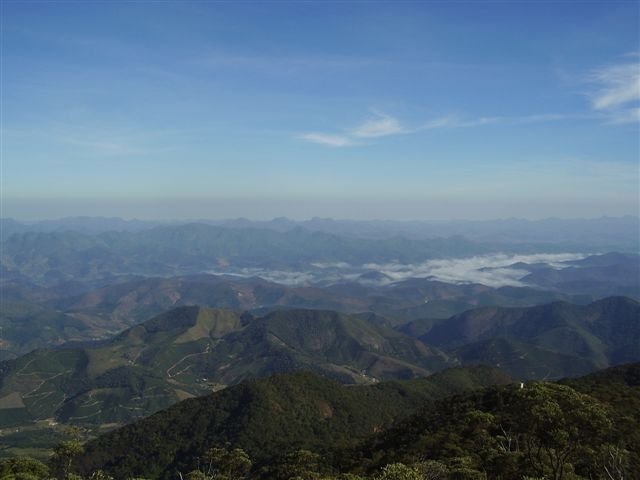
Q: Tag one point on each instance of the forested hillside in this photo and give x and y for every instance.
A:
(302, 425)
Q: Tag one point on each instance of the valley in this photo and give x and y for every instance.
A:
(100, 330)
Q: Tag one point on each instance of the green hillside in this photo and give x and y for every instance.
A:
(269, 418)
(569, 430)
(192, 351)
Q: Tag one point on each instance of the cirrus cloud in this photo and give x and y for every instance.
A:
(381, 126)
(384, 125)
(327, 139)
(618, 92)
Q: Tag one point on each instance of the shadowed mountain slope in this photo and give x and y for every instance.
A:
(558, 338)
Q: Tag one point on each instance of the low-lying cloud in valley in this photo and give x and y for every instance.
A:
(495, 270)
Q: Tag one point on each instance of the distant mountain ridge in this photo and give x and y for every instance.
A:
(44, 265)
(609, 274)
(609, 233)
(53, 257)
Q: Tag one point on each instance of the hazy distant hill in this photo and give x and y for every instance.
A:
(137, 300)
(25, 326)
(90, 225)
(53, 257)
(609, 233)
(605, 233)
(65, 257)
(609, 274)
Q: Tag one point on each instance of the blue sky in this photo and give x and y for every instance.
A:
(403, 110)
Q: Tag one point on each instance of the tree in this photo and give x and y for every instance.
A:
(463, 468)
(100, 475)
(197, 475)
(65, 452)
(614, 462)
(399, 471)
(433, 470)
(222, 463)
(558, 426)
(299, 465)
(23, 468)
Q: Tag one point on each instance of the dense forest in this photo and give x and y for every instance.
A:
(302, 426)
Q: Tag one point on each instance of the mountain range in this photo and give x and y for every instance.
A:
(191, 351)
(105, 322)
(605, 233)
(35, 316)
(50, 258)
(79, 259)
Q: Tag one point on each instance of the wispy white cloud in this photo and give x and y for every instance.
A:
(617, 97)
(384, 125)
(545, 117)
(453, 121)
(627, 115)
(328, 139)
(620, 85)
(618, 92)
(381, 126)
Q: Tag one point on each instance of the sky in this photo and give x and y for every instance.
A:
(369, 109)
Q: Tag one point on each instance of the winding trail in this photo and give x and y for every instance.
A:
(170, 375)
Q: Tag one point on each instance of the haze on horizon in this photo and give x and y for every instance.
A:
(360, 110)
